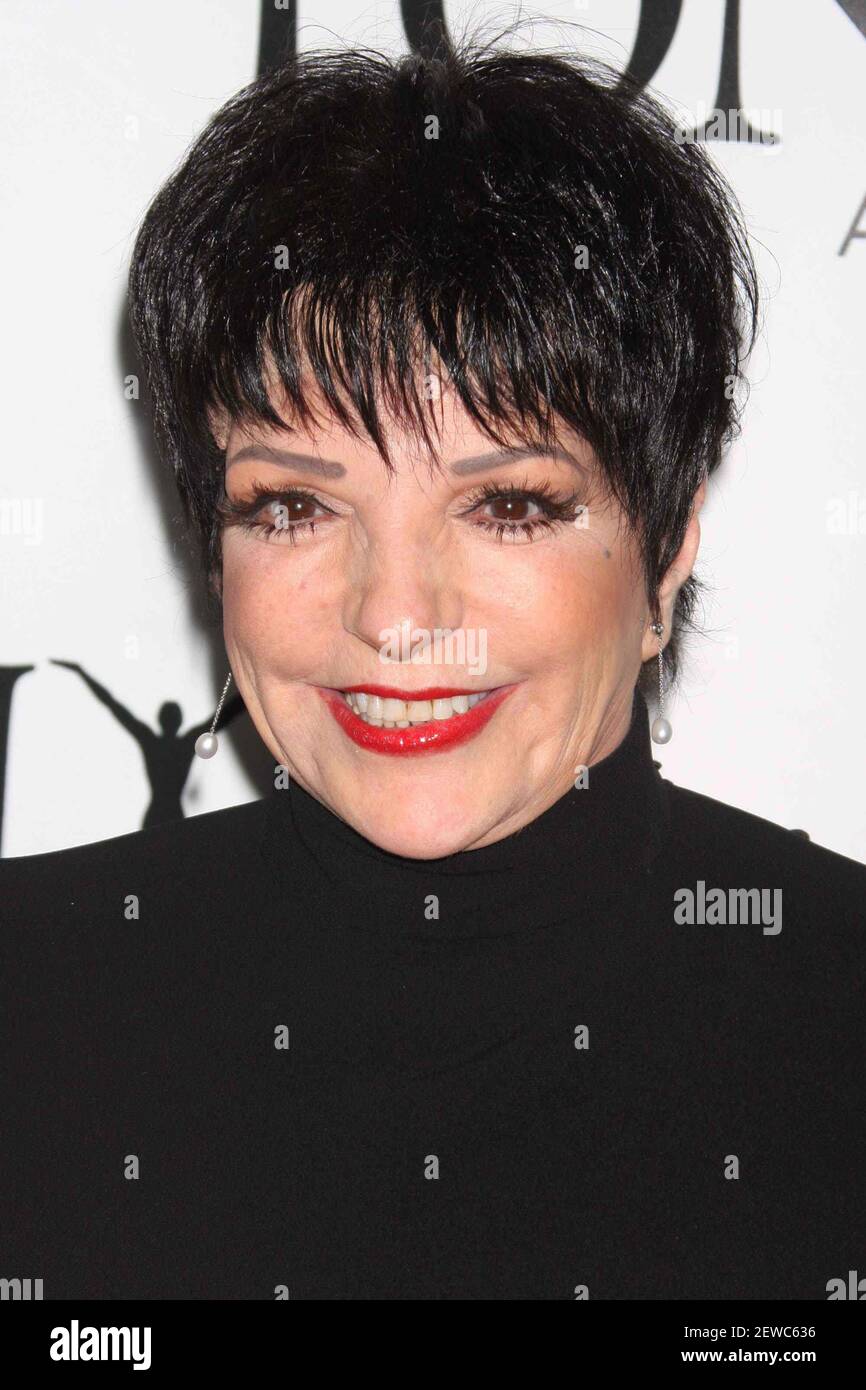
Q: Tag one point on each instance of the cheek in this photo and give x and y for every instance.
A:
(271, 610)
(247, 602)
(566, 602)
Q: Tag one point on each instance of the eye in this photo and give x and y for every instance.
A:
(519, 512)
(276, 514)
(513, 509)
(511, 515)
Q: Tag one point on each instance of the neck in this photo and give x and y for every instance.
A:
(612, 823)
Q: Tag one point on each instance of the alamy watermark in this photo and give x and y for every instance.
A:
(76, 1343)
(746, 125)
(702, 906)
(465, 648)
(20, 1290)
(22, 516)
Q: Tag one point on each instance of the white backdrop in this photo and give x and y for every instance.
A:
(100, 100)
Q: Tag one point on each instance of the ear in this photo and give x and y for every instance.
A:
(218, 423)
(680, 569)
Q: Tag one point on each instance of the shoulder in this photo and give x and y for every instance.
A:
(699, 823)
(819, 894)
(162, 860)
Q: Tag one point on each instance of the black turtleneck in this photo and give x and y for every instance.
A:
(256, 1053)
(610, 827)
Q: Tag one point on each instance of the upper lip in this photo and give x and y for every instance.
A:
(432, 692)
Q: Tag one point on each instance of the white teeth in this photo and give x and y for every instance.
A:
(402, 714)
(419, 710)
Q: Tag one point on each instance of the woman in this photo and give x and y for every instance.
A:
(477, 1005)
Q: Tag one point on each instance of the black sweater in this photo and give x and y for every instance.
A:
(252, 1055)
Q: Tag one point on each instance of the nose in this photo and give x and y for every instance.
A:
(407, 580)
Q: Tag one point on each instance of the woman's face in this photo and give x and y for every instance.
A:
(429, 582)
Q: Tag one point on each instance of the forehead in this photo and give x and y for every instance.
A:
(454, 435)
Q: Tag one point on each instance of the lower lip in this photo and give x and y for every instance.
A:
(433, 737)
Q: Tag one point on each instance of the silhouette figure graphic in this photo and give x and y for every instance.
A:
(167, 755)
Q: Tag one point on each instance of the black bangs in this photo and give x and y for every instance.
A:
(522, 227)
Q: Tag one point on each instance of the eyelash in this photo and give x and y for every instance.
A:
(557, 510)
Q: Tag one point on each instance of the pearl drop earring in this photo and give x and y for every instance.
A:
(207, 744)
(661, 727)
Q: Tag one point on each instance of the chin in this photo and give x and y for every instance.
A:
(414, 831)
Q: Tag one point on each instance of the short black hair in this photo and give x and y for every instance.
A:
(434, 208)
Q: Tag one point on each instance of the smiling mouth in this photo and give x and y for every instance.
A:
(379, 721)
(390, 712)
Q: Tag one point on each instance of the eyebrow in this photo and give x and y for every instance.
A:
(330, 468)
(477, 462)
(287, 458)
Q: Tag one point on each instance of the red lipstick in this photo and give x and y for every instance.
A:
(433, 737)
